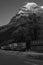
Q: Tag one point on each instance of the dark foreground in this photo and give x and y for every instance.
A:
(14, 58)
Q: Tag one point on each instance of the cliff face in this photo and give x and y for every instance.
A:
(20, 30)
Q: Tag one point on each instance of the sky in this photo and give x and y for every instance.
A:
(9, 8)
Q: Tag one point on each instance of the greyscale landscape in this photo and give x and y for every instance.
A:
(21, 40)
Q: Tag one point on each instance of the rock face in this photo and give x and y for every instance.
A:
(25, 26)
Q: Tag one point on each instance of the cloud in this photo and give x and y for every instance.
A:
(41, 7)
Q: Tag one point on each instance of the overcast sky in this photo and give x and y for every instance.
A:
(9, 8)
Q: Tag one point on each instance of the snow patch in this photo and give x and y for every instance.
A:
(29, 7)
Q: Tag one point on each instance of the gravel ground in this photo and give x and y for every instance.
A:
(19, 58)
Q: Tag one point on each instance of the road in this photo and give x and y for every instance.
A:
(13, 59)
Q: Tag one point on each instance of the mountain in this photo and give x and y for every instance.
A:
(23, 27)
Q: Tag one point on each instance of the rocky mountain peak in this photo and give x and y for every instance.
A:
(23, 26)
(30, 8)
